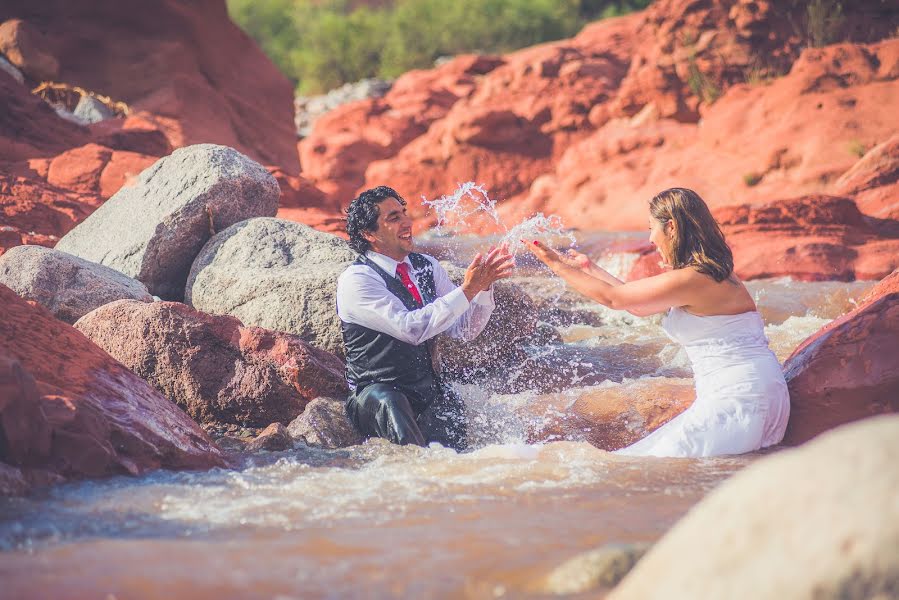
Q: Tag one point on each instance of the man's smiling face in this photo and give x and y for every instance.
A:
(393, 237)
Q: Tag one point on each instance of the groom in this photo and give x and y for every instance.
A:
(392, 302)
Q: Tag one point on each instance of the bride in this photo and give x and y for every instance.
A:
(742, 403)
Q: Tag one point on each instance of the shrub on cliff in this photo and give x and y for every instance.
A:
(321, 44)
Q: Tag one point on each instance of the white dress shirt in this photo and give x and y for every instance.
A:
(363, 299)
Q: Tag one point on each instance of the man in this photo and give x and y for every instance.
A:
(391, 303)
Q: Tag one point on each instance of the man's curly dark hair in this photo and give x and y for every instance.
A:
(362, 215)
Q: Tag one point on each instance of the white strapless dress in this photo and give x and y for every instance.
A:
(742, 403)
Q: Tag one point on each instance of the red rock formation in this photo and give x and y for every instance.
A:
(717, 96)
(69, 408)
(211, 365)
(848, 370)
(187, 69)
(346, 140)
(789, 137)
(874, 181)
(54, 173)
(517, 121)
(812, 238)
(301, 201)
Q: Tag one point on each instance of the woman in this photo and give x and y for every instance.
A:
(742, 403)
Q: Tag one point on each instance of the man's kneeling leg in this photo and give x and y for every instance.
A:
(381, 410)
(444, 420)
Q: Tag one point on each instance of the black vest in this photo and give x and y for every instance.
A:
(375, 357)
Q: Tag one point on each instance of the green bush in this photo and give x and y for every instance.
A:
(321, 44)
(824, 19)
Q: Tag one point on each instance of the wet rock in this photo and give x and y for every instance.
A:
(230, 443)
(212, 366)
(324, 424)
(91, 110)
(28, 49)
(847, 371)
(273, 439)
(153, 230)
(887, 285)
(818, 521)
(274, 274)
(102, 418)
(70, 287)
(604, 567)
(608, 417)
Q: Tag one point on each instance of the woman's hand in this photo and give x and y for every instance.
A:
(545, 254)
(575, 259)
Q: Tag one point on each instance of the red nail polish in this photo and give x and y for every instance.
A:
(536, 243)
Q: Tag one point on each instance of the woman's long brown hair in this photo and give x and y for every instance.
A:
(698, 241)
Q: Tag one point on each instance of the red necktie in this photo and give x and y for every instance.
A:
(402, 269)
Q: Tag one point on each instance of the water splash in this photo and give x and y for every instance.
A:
(457, 212)
(454, 210)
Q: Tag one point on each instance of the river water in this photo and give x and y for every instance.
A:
(379, 520)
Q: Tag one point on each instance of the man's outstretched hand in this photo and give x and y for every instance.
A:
(484, 270)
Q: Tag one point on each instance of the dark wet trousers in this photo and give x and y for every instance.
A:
(406, 417)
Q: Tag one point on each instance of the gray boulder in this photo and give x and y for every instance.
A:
(68, 286)
(153, 230)
(819, 521)
(275, 274)
(324, 424)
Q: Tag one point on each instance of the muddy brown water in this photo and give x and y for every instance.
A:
(379, 520)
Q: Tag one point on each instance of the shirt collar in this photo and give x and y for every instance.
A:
(385, 262)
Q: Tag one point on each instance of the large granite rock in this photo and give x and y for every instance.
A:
(153, 230)
(275, 274)
(70, 409)
(848, 370)
(820, 521)
(324, 424)
(68, 286)
(211, 365)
